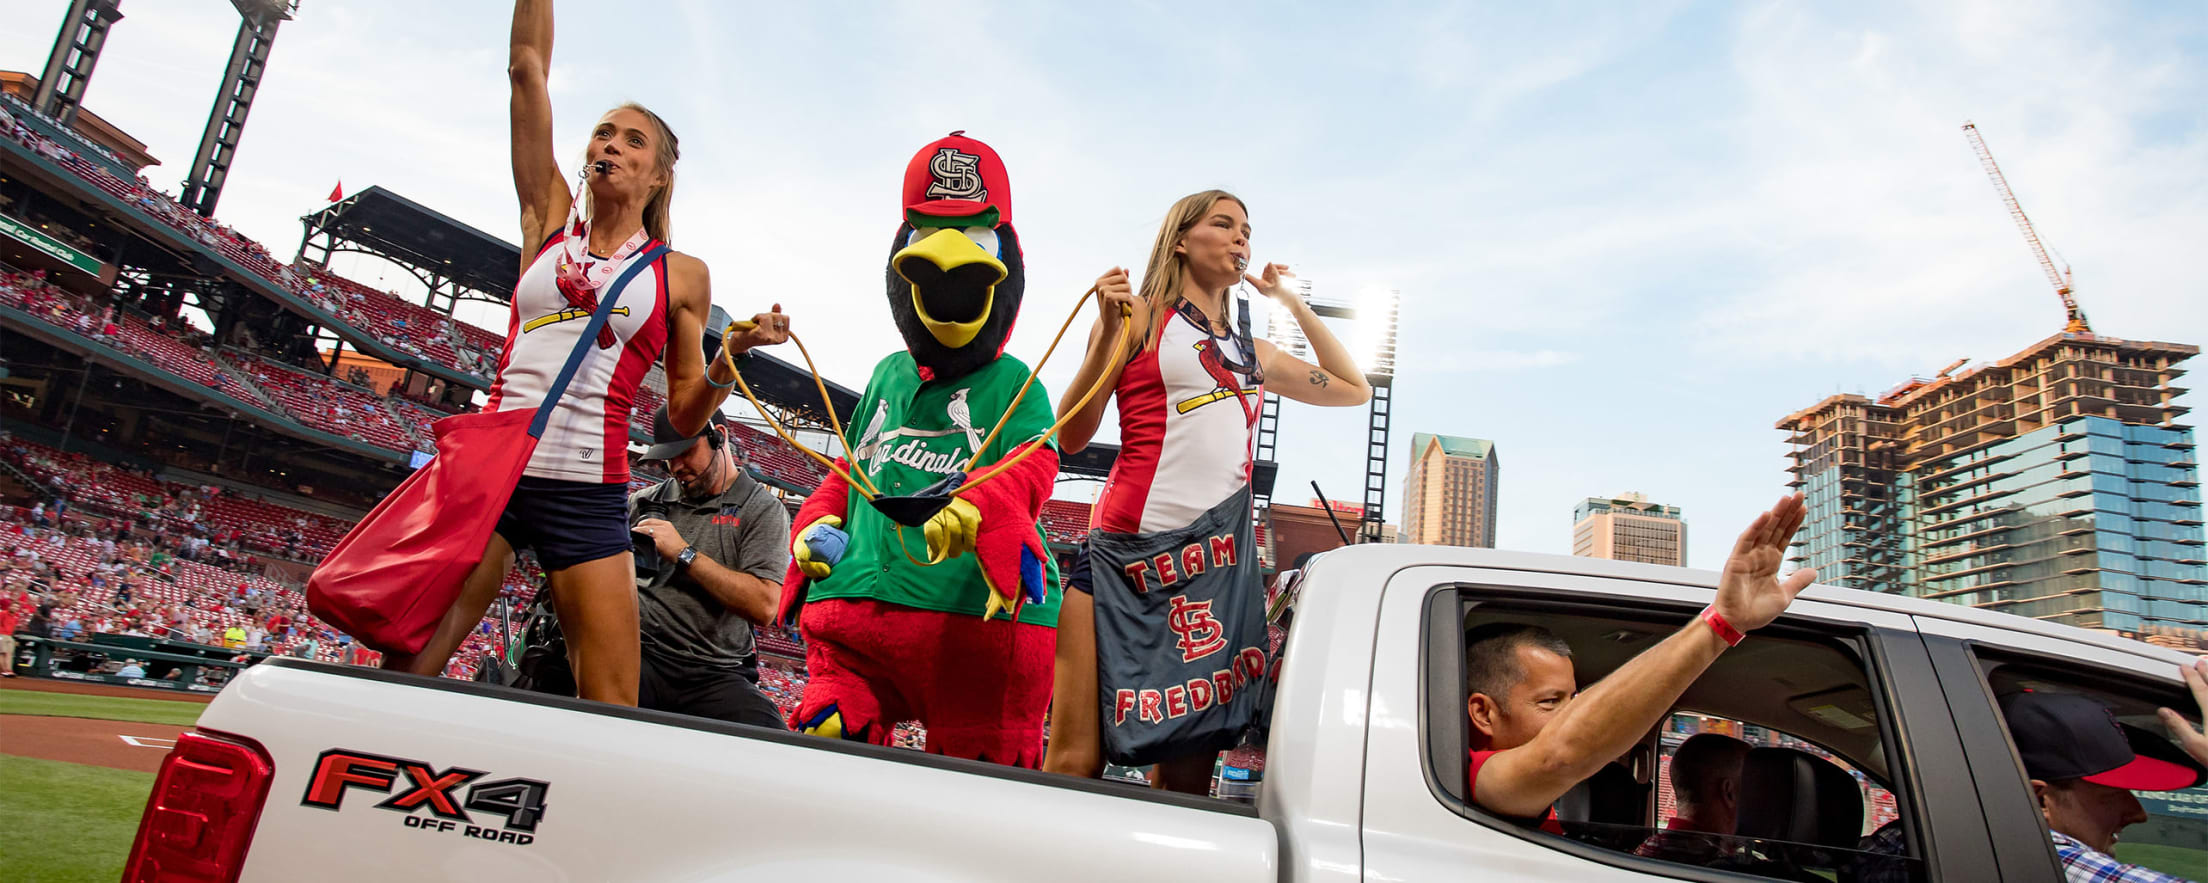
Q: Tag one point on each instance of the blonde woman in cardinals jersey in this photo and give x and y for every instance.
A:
(1188, 389)
(571, 504)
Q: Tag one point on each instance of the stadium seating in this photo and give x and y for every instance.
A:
(206, 597)
(211, 596)
(87, 481)
(647, 403)
(784, 685)
(769, 454)
(412, 328)
(489, 343)
(328, 404)
(776, 642)
(417, 419)
(1065, 521)
(124, 332)
(117, 492)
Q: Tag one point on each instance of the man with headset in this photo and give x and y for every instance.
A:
(722, 543)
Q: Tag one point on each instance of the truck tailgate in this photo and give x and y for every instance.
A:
(382, 778)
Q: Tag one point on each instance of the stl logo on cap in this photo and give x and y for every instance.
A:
(956, 181)
(957, 176)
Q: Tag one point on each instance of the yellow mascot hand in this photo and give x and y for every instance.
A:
(951, 532)
(818, 547)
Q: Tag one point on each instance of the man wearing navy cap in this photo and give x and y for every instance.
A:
(2084, 766)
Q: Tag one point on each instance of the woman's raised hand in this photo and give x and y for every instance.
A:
(1115, 297)
(1274, 282)
(765, 329)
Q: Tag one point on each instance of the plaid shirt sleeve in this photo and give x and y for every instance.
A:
(2084, 864)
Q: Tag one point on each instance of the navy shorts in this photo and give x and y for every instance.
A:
(567, 522)
(1077, 575)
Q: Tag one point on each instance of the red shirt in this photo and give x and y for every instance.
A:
(1472, 778)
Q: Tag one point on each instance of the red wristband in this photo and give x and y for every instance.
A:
(1725, 631)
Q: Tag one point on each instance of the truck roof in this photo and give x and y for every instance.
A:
(1386, 557)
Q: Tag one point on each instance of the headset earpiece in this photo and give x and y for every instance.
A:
(714, 437)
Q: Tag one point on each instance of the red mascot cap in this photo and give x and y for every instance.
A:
(956, 177)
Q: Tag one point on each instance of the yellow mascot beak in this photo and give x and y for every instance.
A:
(953, 281)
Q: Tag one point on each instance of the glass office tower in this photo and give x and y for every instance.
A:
(2054, 484)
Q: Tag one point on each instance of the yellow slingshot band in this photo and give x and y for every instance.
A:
(857, 479)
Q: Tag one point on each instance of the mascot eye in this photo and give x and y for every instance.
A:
(982, 236)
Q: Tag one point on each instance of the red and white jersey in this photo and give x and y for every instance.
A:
(588, 436)
(1187, 431)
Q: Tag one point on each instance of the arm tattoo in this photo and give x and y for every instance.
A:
(1318, 378)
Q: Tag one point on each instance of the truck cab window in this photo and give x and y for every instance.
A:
(2136, 818)
(1774, 763)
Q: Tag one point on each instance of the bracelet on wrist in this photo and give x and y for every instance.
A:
(1725, 630)
(736, 364)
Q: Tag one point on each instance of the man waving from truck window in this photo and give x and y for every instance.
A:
(1533, 739)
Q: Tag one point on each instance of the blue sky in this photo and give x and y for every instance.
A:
(1628, 237)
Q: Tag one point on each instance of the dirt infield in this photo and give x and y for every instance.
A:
(119, 744)
(44, 685)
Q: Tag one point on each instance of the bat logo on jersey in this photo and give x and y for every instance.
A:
(1196, 632)
(567, 315)
(957, 176)
(1207, 355)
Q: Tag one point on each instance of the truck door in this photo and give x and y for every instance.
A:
(1978, 665)
(1844, 691)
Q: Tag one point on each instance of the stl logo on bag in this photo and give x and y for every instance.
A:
(1200, 634)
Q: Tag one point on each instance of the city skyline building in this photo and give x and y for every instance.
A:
(1629, 528)
(2055, 483)
(1449, 492)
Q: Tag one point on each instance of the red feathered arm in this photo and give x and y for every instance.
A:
(833, 497)
(1011, 503)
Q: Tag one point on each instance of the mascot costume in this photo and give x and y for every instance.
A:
(916, 604)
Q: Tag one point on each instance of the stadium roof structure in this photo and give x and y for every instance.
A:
(782, 383)
(451, 258)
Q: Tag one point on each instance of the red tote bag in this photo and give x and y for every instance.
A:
(391, 579)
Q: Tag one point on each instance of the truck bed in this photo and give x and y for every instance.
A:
(523, 786)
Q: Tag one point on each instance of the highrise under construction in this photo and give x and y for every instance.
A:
(2056, 483)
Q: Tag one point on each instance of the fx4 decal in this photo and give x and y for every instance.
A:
(414, 785)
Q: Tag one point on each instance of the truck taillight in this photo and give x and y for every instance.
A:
(200, 818)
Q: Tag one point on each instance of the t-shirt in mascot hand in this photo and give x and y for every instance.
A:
(964, 646)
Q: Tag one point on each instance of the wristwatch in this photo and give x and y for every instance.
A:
(684, 557)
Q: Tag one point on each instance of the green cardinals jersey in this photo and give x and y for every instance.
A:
(906, 435)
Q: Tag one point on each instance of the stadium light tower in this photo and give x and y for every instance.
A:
(76, 50)
(218, 145)
(1373, 346)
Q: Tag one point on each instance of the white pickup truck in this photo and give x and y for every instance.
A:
(306, 772)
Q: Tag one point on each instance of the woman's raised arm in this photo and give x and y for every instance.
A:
(537, 181)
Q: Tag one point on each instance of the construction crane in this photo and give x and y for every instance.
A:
(2060, 277)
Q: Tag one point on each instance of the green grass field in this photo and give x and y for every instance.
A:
(2191, 864)
(113, 708)
(65, 822)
